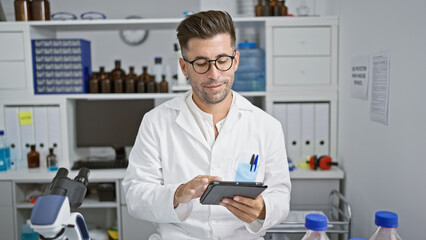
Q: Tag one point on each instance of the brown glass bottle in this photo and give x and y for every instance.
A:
(276, 8)
(151, 85)
(131, 79)
(40, 10)
(105, 81)
(145, 78)
(267, 8)
(94, 83)
(258, 9)
(33, 158)
(51, 160)
(164, 85)
(284, 9)
(22, 10)
(118, 76)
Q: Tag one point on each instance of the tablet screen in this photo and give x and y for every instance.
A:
(216, 191)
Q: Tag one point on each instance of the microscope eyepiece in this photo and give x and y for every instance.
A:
(83, 176)
(62, 172)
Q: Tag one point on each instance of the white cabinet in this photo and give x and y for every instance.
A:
(12, 59)
(6, 210)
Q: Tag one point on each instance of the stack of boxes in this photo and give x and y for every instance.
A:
(61, 65)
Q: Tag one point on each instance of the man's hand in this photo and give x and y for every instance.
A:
(246, 209)
(193, 189)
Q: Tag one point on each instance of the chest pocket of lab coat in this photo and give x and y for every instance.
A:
(245, 171)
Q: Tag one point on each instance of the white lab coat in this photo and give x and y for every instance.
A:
(170, 150)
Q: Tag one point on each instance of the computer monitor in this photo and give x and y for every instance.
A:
(109, 123)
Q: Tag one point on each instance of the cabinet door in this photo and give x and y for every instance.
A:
(134, 228)
(301, 71)
(12, 60)
(6, 211)
(12, 74)
(302, 41)
(11, 46)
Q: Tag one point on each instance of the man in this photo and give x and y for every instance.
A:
(205, 136)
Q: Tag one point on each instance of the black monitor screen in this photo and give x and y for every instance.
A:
(112, 123)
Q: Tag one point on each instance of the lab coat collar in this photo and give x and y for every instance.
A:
(186, 121)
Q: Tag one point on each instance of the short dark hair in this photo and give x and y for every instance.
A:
(205, 25)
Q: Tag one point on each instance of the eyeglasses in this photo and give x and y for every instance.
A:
(71, 16)
(202, 65)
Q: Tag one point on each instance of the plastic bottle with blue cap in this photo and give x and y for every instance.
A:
(4, 153)
(316, 225)
(386, 222)
(250, 75)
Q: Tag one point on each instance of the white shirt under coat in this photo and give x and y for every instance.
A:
(170, 149)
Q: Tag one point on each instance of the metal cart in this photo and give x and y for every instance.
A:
(339, 218)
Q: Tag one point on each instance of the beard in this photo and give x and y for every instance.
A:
(211, 97)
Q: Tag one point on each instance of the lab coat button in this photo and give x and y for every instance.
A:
(213, 221)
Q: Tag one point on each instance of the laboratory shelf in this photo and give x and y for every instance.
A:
(114, 24)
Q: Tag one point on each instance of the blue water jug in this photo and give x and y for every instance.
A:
(250, 75)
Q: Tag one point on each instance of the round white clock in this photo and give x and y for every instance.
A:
(134, 37)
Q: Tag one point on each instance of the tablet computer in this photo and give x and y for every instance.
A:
(217, 190)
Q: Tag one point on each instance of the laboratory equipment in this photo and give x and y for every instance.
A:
(51, 216)
(339, 216)
(5, 162)
(386, 222)
(316, 225)
(33, 158)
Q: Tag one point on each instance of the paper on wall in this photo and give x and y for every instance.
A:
(380, 76)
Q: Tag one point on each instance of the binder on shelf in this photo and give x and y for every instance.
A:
(322, 129)
(54, 126)
(26, 123)
(294, 132)
(280, 113)
(307, 111)
(41, 133)
(12, 133)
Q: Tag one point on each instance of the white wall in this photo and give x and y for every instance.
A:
(385, 165)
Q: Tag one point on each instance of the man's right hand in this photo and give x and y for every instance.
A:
(193, 189)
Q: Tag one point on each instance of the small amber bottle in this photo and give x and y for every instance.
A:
(22, 10)
(130, 80)
(94, 83)
(267, 8)
(118, 76)
(284, 9)
(40, 10)
(145, 78)
(164, 85)
(258, 9)
(52, 163)
(118, 85)
(276, 8)
(33, 158)
(151, 85)
(105, 81)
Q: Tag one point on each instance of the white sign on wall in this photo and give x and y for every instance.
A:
(359, 77)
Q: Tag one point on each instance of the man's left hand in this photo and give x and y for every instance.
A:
(246, 209)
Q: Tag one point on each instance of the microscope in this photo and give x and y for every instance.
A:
(51, 216)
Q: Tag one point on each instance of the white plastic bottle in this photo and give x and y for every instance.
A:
(386, 222)
(316, 225)
(4, 153)
(158, 69)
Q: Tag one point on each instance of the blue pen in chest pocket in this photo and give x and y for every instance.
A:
(247, 168)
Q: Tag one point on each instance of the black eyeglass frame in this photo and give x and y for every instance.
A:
(209, 61)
